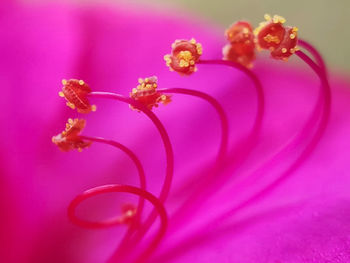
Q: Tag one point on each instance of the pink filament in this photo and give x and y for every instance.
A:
(209, 184)
(224, 127)
(326, 106)
(218, 108)
(242, 150)
(305, 131)
(313, 51)
(324, 118)
(133, 190)
(258, 87)
(114, 221)
(124, 247)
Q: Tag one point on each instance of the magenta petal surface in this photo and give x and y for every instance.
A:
(304, 220)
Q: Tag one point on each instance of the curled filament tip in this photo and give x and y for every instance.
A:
(115, 188)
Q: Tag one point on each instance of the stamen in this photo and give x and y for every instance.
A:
(271, 35)
(221, 153)
(274, 36)
(168, 149)
(146, 93)
(183, 57)
(210, 182)
(75, 92)
(242, 46)
(252, 138)
(325, 105)
(70, 138)
(238, 32)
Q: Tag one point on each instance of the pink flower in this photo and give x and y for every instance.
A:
(302, 219)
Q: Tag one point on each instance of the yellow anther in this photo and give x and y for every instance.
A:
(245, 30)
(61, 94)
(81, 82)
(278, 19)
(185, 57)
(140, 80)
(193, 41)
(199, 49)
(292, 36)
(267, 17)
(70, 105)
(93, 108)
(284, 50)
(167, 60)
(183, 63)
(269, 38)
(64, 82)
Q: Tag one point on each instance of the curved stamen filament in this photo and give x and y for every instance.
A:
(218, 108)
(169, 158)
(320, 129)
(258, 87)
(223, 120)
(113, 188)
(142, 178)
(313, 51)
(243, 150)
(136, 161)
(326, 94)
(301, 137)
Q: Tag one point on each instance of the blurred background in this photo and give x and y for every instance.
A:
(322, 22)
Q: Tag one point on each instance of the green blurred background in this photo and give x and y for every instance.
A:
(322, 22)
